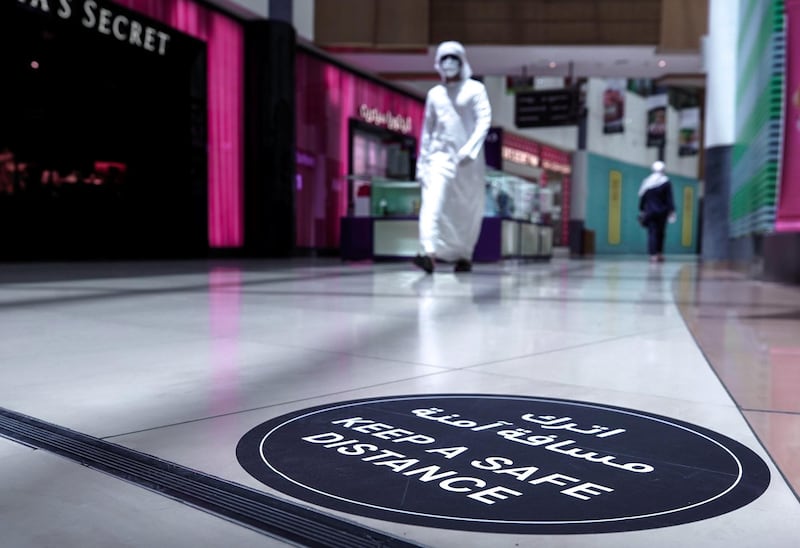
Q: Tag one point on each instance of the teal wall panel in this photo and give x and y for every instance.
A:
(633, 238)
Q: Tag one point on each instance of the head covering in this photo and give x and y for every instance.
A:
(453, 48)
(655, 179)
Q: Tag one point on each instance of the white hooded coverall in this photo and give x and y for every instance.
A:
(451, 166)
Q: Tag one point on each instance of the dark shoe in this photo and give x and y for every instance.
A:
(425, 262)
(462, 265)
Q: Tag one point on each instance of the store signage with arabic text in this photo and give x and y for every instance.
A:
(503, 463)
(392, 122)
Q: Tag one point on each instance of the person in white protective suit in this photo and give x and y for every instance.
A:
(451, 166)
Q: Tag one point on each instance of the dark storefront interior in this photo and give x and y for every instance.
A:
(102, 143)
(378, 152)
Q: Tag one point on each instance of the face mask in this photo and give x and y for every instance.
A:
(450, 67)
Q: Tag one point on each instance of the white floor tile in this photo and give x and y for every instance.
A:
(180, 359)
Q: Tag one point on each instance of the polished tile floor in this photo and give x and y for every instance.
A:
(179, 360)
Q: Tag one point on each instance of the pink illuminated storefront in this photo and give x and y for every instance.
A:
(348, 125)
(224, 39)
(127, 134)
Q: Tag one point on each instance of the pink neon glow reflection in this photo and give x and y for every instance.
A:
(225, 61)
(224, 287)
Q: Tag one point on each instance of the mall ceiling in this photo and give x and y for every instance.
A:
(658, 39)
(543, 61)
(581, 38)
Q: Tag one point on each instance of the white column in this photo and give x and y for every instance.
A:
(719, 58)
(303, 18)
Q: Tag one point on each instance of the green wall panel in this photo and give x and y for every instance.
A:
(759, 112)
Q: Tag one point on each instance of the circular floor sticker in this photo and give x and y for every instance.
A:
(508, 464)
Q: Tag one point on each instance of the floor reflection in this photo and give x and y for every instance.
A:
(750, 333)
(224, 294)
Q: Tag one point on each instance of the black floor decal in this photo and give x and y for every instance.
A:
(504, 464)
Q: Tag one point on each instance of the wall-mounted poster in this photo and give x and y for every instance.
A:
(657, 120)
(689, 132)
(614, 106)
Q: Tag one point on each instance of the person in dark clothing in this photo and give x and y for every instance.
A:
(656, 207)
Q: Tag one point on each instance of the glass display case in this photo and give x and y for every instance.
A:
(512, 197)
(395, 198)
(507, 196)
(381, 197)
(385, 212)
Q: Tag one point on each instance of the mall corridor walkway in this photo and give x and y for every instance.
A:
(573, 403)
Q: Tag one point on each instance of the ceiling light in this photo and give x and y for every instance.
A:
(662, 63)
(553, 64)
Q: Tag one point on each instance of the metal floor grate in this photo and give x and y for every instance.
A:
(248, 507)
